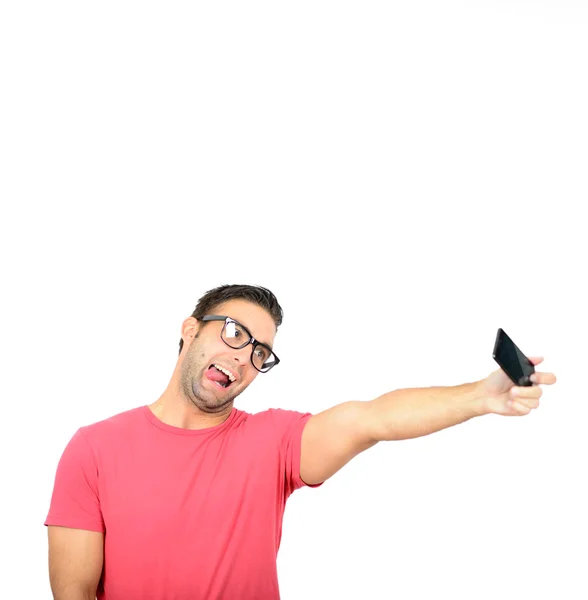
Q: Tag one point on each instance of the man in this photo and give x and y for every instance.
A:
(184, 498)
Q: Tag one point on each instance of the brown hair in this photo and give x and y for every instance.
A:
(252, 293)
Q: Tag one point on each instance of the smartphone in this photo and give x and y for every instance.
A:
(512, 361)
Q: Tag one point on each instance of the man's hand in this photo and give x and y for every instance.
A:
(502, 397)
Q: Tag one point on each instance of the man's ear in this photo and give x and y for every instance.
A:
(190, 328)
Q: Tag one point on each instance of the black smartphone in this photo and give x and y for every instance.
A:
(511, 360)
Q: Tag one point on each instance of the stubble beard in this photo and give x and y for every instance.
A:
(191, 377)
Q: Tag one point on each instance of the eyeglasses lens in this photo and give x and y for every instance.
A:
(236, 337)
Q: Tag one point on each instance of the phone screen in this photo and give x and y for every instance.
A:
(512, 361)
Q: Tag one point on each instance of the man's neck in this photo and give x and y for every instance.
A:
(173, 408)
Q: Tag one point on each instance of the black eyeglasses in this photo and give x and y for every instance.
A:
(237, 336)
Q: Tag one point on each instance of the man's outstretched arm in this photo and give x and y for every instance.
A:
(332, 438)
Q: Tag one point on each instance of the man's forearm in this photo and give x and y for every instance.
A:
(410, 413)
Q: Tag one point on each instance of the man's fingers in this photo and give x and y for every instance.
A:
(523, 399)
(520, 408)
(530, 403)
(531, 391)
(543, 378)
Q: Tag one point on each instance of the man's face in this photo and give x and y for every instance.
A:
(197, 374)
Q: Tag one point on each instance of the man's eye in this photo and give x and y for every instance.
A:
(261, 353)
(233, 331)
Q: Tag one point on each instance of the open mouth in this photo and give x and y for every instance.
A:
(219, 375)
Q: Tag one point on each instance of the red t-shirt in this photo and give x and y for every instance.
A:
(187, 514)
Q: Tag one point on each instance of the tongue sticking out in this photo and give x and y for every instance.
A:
(218, 376)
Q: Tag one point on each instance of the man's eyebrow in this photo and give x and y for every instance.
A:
(249, 331)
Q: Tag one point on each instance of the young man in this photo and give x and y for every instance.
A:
(184, 498)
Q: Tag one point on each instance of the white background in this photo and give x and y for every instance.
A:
(405, 177)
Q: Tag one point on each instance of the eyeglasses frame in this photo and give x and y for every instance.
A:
(251, 340)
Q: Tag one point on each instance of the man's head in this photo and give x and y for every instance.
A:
(252, 311)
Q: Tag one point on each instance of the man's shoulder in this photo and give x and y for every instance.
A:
(277, 418)
(118, 422)
(280, 413)
(273, 413)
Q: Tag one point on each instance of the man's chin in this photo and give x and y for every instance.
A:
(212, 396)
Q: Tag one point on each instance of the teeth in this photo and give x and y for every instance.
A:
(226, 372)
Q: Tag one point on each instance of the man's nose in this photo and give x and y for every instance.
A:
(241, 356)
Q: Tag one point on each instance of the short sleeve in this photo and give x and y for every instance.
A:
(289, 425)
(75, 500)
